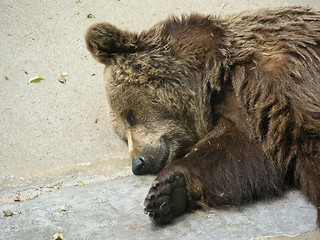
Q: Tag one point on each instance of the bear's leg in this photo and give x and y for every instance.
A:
(307, 174)
(225, 168)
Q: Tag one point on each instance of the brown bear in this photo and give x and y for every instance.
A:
(225, 110)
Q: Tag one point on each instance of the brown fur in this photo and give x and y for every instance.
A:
(232, 104)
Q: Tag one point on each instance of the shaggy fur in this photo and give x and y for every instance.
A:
(231, 106)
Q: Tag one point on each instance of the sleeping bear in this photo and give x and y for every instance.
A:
(225, 110)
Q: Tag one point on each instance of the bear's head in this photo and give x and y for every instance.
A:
(157, 85)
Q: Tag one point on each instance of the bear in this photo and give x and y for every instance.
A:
(225, 110)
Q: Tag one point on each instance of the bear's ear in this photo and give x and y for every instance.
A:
(106, 41)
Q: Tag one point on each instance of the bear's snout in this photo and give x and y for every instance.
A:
(148, 158)
(139, 166)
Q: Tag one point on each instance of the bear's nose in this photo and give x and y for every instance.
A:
(138, 165)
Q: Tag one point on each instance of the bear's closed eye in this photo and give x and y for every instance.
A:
(131, 118)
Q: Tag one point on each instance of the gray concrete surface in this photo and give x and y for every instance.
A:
(57, 149)
(112, 209)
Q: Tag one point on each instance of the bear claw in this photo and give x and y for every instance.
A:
(166, 198)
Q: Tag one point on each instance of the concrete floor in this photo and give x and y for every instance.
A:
(57, 149)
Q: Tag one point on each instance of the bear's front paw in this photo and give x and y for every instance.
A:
(166, 198)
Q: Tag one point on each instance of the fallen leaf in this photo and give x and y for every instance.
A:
(80, 183)
(7, 213)
(62, 209)
(36, 79)
(63, 78)
(17, 198)
(90, 15)
(58, 236)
